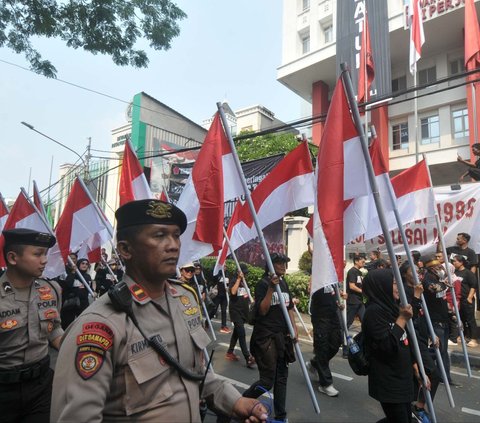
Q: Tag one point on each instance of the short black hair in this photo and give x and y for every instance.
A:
(376, 252)
(128, 233)
(16, 248)
(465, 235)
(357, 257)
(476, 145)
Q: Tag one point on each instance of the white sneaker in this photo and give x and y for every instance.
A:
(452, 343)
(328, 390)
(472, 343)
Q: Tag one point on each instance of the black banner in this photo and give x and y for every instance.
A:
(350, 16)
(255, 171)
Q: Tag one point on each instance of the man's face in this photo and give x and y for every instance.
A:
(461, 240)
(360, 263)
(31, 262)
(280, 267)
(476, 151)
(439, 257)
(372, 256)
(154, 251)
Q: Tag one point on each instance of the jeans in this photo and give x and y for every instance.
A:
(354, 310)
(273, 371)
(441, 329)
(239, 334)
(222, 302)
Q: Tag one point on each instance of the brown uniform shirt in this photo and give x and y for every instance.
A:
(106, 371)
(29, 320)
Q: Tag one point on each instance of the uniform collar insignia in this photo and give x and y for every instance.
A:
(138, 293)
(7, 287)
(37, 284)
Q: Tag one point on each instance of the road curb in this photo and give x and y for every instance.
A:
(457, 358)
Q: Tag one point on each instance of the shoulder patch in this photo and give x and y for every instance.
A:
(96, 334)
(138, 292)
(88, 361)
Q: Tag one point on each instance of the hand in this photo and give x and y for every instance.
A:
(251, 409)
(341, 306)
(406, 312)
(437, 342)
(469, 300)
(296, 301)
(418, 290)
(459, 158)
(275, 280)
(240, 275)
(343, 295)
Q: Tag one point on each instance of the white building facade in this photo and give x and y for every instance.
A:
(445, 117)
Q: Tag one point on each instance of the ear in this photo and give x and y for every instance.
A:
(124, 248)
(11, 258)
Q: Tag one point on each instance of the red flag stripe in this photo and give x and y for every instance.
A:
(366, 64)
(412, 179)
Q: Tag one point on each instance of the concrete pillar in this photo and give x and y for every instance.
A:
(320, 105)
(296, 239)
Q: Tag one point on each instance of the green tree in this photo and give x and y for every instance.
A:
(264, 146)
(110, 27)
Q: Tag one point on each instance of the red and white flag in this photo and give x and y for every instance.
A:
(367, 66)
(472, 37)
(417, 36)
(341, 177)
(3, 213)
(361, 216)
(24, 215)
(133, 183)
(80, 227)
(288, 187)
(213, 181)
(37, 200)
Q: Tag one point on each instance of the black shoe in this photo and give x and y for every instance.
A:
(345, 352)
(454, 384)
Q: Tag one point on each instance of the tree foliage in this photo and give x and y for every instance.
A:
(265, 145)
(110, 27)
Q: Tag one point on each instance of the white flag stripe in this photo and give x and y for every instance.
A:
(355, 182)
(232, 186)
(85, 224)
(141, 189)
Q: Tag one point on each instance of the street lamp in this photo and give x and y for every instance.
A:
(55, 141)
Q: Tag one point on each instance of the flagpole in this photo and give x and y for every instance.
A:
(204, 307)
(433, 336)
(267, 256)
(102, 218)
(302, 322)
(474, 107)
(35, 190)
(227, 240)
(50, 231)
(383, 223)
(365, 98)
(441, 239)
(415, 113)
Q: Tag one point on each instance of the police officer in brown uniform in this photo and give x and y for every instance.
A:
(29, 322)
(109, 365)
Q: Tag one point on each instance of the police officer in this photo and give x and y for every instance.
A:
(29, 322)
(110, 371)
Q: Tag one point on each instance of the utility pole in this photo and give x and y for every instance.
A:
(87, 159)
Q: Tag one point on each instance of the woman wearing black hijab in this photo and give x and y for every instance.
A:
(390, 378)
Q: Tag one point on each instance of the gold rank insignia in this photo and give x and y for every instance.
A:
(159, 210)
(185, 301)
(138, 292)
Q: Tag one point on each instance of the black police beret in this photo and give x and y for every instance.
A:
(22, 236)
(147, 212)
(279, 258)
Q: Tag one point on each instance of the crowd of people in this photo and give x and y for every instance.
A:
(132, 344)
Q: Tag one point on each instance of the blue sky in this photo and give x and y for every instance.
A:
(226, 50)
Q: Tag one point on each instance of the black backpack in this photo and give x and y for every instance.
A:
(357, 355)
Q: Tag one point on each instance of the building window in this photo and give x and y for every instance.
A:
(400, 136)
(460, 123)
(430, 127)
(328, 33)
(305, 5)
(399, 84)
(456, 66)
(305, 43)
(427, 76)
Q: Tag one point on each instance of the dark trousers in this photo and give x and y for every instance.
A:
(354, 310)
(222, 302)
(68, 315)
(467, 314)
(431, 369)
(441, 329)
(27, 402)
(396, 413)
(453, 330)
(273, 371)
(327, 338)
(239, 335)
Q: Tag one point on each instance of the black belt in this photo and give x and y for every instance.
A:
(25, 373)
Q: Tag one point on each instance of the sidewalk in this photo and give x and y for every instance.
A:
(455, 351)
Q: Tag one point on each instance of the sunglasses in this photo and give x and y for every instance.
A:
(189, 269)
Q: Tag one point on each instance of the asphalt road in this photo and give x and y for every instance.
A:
(353, 403)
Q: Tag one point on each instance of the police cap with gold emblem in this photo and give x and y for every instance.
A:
(23, 236)
(148, 212)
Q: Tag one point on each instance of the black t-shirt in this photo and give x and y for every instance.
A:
(273, 322)
(354, 276)
(468, 282)
(324, 304)
(239, 304)
(436, 301)
(468, 253)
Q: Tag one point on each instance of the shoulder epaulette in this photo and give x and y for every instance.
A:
(187, 287)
